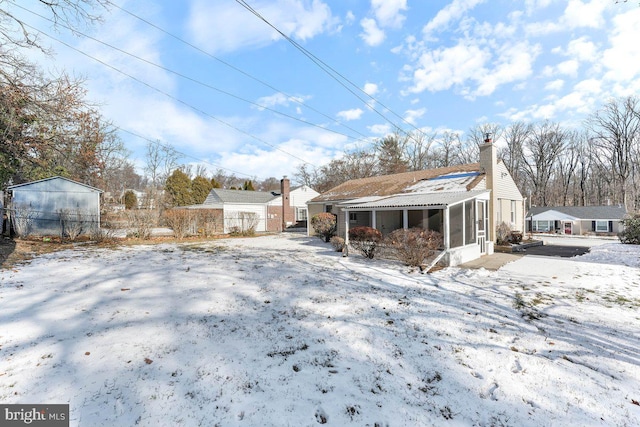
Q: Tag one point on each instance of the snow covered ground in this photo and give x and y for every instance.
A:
(281, 331)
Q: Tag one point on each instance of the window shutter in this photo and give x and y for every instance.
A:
(610, 226)
(593, 226)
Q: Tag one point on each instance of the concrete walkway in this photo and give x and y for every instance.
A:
(492, 262)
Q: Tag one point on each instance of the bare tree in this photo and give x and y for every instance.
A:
(418, 150)
(161, 160)
(512, 155)
(541, 151)
(616, 129)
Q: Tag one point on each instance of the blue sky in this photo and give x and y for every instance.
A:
(434, 65)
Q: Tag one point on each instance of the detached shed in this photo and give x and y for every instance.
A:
(53, 206)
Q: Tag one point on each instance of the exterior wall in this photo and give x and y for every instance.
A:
(40, 203)
(233, 216)
(457, 256)
(274, 218)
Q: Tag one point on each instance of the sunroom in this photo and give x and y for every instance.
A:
(461, 218)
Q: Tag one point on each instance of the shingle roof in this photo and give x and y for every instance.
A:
(387, 185)
(584, 212)
(219, 196)
(415, 199)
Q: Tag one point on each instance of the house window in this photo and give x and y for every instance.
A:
(541, 225)
(301, 214)
(469, 222)
(328, 208)
(513, 212)
(353, 217)
(602, 226)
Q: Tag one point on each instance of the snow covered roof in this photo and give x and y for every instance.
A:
(387, 185)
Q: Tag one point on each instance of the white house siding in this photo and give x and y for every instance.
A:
(507, 191)
(45, 199)
(233, 218)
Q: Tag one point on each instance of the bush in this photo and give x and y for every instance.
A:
(631, 233)
(365, 240)
(503, 233)
(515, 237)
(414, 245)
(180, 221)
(324, 224)
(141, 223)
(243, 223)
(130, 200)
(337, 243)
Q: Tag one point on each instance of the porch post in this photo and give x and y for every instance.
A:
(445, 219)
(346, 227)
(405, 219)
(373, 219)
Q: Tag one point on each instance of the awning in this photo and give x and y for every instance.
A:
(440, 199)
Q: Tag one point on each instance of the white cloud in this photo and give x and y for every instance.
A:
(372, 35)
(224, 27)
(555, 85)
(278, 99)
(412, 116)
(513, 63)
(577, 14)
(453, 11)
(388, 12)
(442, 68)
(349, 18)
(348, 115)
(380, 129)
(370, 88)
(621, 57)
(582, 49)
(569, 67)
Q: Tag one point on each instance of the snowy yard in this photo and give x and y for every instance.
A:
(281, 331)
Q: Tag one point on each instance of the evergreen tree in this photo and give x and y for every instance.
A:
(248, 186)
(200, 188)
(178, 188)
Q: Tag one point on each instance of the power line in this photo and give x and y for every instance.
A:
(169, 95)
(333, 73)
(191, 79)
(237, 69)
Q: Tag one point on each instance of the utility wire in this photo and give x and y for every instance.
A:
(169, 95)
(239, 70)
(333, 73)
(191, 79)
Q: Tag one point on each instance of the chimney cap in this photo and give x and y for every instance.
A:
(487, 138)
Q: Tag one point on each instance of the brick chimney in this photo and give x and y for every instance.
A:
(287, 212)
(488, 162)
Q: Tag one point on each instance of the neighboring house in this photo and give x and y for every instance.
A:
(266, 211)
(465, 203)
(53, 206)
(576, 220)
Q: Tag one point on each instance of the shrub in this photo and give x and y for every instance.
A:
(130, 200)
(414, 245)
(365, 240)
(180, 221)
(324, 224)
(337, 243)
(503, 233)
(72, 223)
(141, 222)
(631, 233)
(515, 237)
